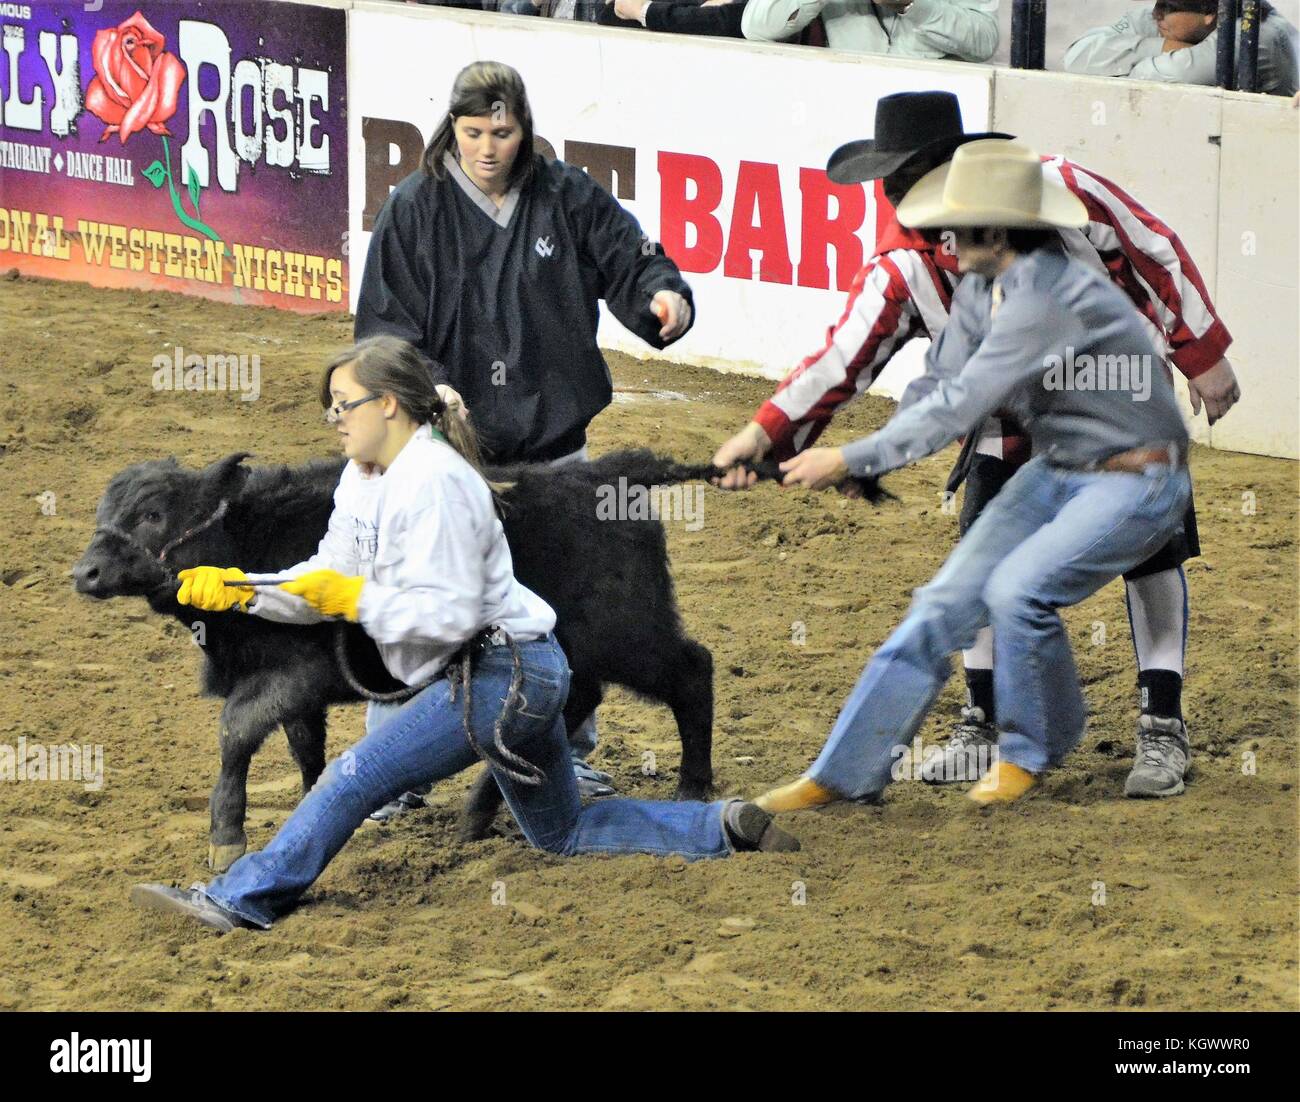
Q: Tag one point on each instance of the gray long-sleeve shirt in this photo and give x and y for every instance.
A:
(963, 29)
(1066, 355)
(1132, 47)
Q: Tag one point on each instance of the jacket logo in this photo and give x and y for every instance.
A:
(544, 247)
(365, 539)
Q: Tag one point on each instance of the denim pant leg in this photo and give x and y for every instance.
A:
(422, 741)
(878, 722)
(552, 816)
(1107, 523)
(379, 712)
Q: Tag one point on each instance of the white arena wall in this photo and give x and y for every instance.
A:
(758, 121)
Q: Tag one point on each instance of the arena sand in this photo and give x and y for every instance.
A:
(922, 902)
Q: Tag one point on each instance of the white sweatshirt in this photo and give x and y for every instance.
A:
(427, 540)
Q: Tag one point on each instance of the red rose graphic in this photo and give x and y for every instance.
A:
(136, 81)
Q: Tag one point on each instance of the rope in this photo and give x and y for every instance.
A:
(769, 470)
(160, 558)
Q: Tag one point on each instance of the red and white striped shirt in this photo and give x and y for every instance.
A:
(905, 291)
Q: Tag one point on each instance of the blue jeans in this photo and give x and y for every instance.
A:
(1051, 538)
(424, 741)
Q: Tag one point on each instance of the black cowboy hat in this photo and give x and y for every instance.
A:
(907, 124)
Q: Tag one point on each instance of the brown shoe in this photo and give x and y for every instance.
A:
(751, 828)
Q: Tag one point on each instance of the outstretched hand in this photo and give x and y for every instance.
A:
(817, 469)
(674, 311)
(749, 445)
(1216, 388)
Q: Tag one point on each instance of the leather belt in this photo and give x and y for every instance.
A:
(1136, 460)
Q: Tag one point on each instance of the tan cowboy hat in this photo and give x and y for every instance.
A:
(991, 183)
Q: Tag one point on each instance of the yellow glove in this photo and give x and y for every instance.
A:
(204, 587)
(329, 592)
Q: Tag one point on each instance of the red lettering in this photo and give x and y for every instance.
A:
(884, 210)
(677, 211)
(758, 190)
(819, 230)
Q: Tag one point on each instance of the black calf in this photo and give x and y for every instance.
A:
(608, 581)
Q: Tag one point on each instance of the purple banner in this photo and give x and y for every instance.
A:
(198, 147)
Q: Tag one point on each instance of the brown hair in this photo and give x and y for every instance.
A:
(389, 365)
(484, 88)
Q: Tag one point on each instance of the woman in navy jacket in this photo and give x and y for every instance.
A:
(493, 261)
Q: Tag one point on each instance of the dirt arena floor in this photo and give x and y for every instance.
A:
(920, 903)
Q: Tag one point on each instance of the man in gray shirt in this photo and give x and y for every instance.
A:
(1045, 338)
(1178, 40)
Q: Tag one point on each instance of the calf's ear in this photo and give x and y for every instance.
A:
(225, 477)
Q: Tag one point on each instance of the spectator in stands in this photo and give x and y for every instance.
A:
(963, 29)
(472, 5)
(581, 11)
(1178, 41)
(720, 18)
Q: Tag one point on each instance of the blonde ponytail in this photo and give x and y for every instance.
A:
(462, 438)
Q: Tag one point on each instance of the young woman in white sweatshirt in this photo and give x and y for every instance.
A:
(416, 554)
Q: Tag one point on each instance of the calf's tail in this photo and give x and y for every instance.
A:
(643, 467)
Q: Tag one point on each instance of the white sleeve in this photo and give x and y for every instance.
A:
(1115, 50)
(776, 20)
(967, 29)
(1197, 64)
(440, 575)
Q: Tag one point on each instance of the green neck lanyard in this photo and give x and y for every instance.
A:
(437, 435)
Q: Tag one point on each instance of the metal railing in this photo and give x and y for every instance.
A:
(1237, 69)
(1029, 34)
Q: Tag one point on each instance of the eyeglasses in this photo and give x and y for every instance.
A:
(334, 413)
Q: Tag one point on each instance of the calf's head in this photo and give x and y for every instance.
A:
(150, 523)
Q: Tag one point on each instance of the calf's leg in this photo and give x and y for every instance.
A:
(306, 735)
(251, 713)
(228, 803)
(689, 692)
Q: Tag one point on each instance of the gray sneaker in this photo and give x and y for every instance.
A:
(1162, 756)
(192, 904)
(407, 801)
(967, 755)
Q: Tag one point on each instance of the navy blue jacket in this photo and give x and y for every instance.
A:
(506, 301)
